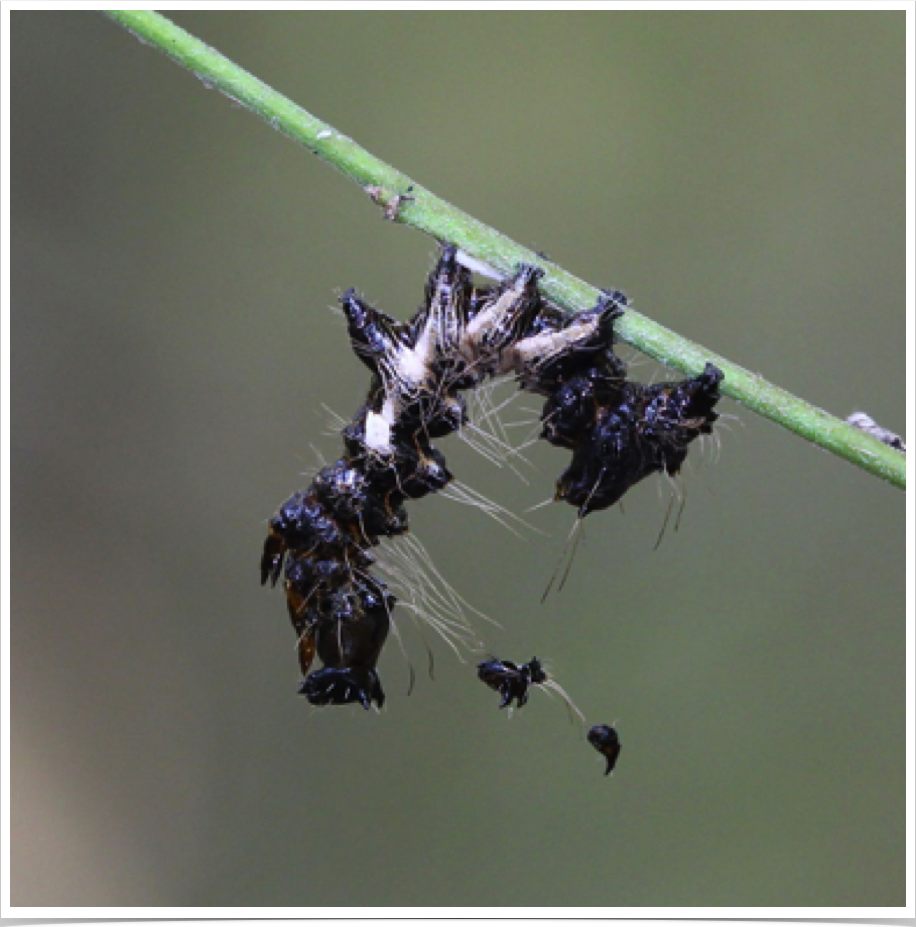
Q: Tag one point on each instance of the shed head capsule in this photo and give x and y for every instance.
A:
(605, 740)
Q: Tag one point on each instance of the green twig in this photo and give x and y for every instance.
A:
(407, 202)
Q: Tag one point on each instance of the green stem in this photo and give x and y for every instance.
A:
(407, 202)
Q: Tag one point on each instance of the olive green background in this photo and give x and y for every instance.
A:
(741, 177)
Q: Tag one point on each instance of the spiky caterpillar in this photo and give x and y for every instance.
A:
(619, 431)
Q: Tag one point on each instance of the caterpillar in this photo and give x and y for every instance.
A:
(322, 540)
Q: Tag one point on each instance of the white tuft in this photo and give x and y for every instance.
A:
(378, 433)
(477, 266)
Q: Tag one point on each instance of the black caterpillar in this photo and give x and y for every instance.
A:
(619, 431)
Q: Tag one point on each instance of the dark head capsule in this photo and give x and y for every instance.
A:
(605, 740)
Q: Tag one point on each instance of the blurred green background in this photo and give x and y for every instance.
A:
(741, 176)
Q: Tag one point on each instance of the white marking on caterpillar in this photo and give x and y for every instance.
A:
(378, 432)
